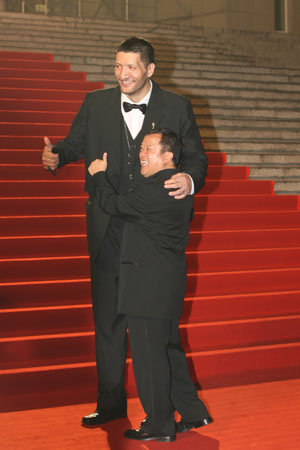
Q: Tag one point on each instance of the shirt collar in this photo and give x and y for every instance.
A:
(146, 99)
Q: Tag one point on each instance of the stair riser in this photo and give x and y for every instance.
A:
(43, 94)
(238, 113)
(31, 295)
(56, 387)
(30, 117)
(275, 173)
(34, 157)
(250, 239)
(76, 172)
(62, 129)
(89, 47)
(245, 145)
(26, 55)
(209, 204)
(55, 187)
(240, 123)
(253, 146)
(10, 105)
(41, 74)
(39, 225)
(213, 283)
(228, 283)
(203, 337)
(52, 269)
(245, 220)
(72, 319)
(16, 247)
(268, 133)
(51, 84)
(31, 64)
(242, 260)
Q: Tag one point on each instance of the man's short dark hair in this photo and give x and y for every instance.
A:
(138, 45)
(170, 142)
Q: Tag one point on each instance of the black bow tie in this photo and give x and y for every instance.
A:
(129, 106)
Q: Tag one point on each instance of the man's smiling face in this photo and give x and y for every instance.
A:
(133, 75)
(151, 157)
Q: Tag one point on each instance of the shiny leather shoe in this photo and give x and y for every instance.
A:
(183, 426)
(98, 418)
(140, 435)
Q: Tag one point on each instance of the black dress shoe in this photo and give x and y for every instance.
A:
(98, 418)
(140, 435)
(182, 426)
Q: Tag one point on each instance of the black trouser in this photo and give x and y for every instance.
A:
(110, 327)
(162, 374)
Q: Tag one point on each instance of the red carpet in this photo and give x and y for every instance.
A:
(262, 417)
(241, 322)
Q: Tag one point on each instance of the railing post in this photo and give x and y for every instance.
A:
(79, 8)
(23, 6)
(46, 7)
(127, 10)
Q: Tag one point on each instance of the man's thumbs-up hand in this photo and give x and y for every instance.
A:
(50, 160)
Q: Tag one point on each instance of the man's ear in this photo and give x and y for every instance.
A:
(168, 157)
(150, 69)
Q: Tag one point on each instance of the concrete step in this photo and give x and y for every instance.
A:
(264, 49)
(263, 159)
(166, 66)
(250, 85)
(113, 31)
(247, 122)
(233, 147)
(250, 133)
(247, 113)
(65, 47)
(250, 103)
(233, 77)
(287, 187)
(206, 89)
(275, 173)
(82, 37)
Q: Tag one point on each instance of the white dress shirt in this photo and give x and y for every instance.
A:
(134, 119)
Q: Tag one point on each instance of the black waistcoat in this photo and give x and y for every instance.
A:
(130, 164)
(109, 256)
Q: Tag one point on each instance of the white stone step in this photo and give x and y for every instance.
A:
(235, 113)
(275, 173)
(240, 123)
(287, 187)
(263, 159)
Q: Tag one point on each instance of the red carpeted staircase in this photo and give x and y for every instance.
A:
(241, 321)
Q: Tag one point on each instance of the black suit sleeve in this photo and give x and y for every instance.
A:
(129, 207)
(71, 148)
(193, 160)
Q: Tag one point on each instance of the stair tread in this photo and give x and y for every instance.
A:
(279, 286)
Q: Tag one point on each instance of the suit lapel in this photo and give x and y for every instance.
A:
(112, 124)
(154, 111)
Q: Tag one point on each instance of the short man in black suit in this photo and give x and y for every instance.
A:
(152, 286)
(115, 121)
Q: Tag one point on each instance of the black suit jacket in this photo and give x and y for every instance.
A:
(152, 266)
(97, 129)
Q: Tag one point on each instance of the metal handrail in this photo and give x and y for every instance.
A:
(74, 8)
(25, 4)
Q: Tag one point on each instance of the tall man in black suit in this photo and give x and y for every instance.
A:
(115, 121)
(152, 286)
